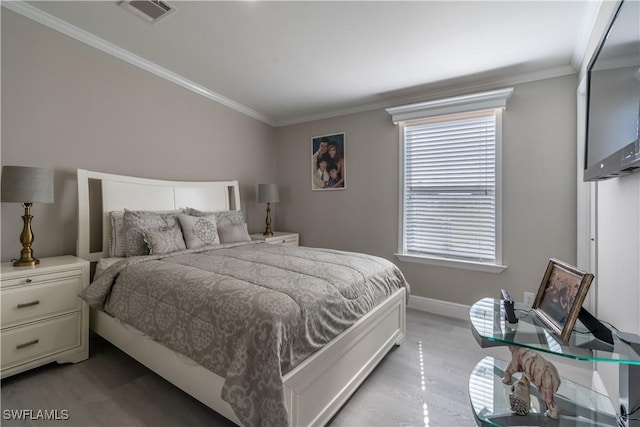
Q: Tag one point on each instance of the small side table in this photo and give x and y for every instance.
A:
(43, 319)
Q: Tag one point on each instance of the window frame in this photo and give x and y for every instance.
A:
(415, 114)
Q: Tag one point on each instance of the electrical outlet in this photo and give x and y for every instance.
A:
(528, 299)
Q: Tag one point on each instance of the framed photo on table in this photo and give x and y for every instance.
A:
(328, 162)
(560, 296)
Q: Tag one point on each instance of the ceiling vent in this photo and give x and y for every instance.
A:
(149, 10)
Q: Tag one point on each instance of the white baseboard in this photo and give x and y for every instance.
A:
(443, 308)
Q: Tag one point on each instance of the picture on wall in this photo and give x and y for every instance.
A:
(327, 162)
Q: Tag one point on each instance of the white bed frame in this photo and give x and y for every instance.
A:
(314, 390)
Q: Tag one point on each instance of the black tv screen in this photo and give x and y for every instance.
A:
(613, 99)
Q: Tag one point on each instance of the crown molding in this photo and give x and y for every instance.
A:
(83, 36)
(438, 93)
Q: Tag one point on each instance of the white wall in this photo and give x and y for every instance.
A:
(619, 251)
(618, 262)
(539, 183)
(615, 228)
(66, 105)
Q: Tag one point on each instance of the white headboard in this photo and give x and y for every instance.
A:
(99, 193)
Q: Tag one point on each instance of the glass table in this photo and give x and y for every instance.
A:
(580, 406)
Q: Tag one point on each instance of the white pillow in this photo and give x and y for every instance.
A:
(199, 231)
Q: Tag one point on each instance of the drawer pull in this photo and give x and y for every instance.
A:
(27, 344)
(28, 304)
(28, 280)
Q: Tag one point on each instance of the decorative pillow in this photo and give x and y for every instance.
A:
(226, 218)
(136, 222)
(164, 241)
(199, 231)
(195, 212)
(234, 233)
(118, 234)
(223, 218)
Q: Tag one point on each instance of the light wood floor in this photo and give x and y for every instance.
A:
(113, 390)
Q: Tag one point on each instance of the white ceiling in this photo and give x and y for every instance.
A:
(290, 61)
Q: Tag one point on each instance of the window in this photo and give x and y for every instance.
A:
(450, 181)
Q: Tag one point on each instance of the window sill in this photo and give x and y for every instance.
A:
(442, 262)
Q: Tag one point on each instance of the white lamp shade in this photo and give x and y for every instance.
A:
(21, 184)
(268, 193)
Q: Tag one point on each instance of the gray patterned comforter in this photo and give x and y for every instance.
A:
(248, 312)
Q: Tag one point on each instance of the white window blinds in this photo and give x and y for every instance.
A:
(450, 187)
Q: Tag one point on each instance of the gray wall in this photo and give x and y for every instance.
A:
(539, 198)
(66, 105)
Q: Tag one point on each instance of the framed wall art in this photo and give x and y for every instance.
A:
(328, 162)
(560, 296)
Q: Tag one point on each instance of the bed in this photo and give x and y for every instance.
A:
(312, 380)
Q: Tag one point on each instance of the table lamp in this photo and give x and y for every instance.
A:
(26, 185)
(268, 193)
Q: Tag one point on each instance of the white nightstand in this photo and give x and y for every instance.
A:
(43, 319)
(279, 237)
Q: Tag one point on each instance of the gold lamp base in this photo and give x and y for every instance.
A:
(26, 238)
(26, 261)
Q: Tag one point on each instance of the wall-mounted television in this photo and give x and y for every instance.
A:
(613, 98)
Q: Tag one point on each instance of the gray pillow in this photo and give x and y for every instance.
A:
(118, 234)
(199, 231)
(234, 233)
(137, 222)
(164, 241)
(223, 218)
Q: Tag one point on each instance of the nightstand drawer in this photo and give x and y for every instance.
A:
(278, 238)
(288, 240)
(34, 302)
(36, 340)
(39, 276)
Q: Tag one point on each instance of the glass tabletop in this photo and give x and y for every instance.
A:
(579, 406)
(490, 329)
